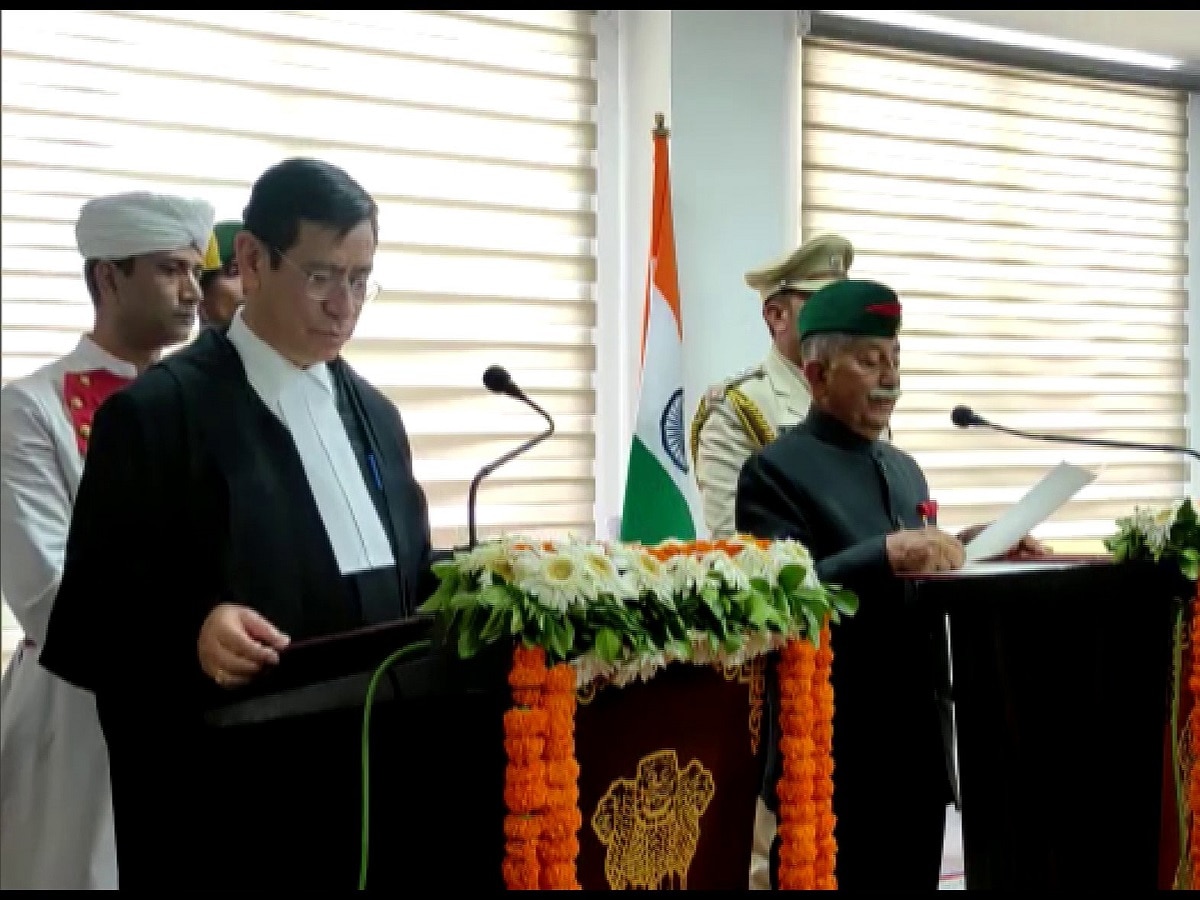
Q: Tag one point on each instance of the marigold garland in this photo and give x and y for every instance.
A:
(807, 846)
(541, 781)
(823, 738)
(525, 727)
(559, 846)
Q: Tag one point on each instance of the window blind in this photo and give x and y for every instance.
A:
(475, 132)
(1035, 228)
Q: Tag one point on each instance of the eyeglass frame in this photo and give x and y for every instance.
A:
(371, 288)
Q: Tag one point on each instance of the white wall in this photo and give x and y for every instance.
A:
(732, 164)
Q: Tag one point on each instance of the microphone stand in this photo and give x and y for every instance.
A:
(472, 540)
(1095, 442)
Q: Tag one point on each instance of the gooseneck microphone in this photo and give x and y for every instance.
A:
(497, 380)
(965, 417)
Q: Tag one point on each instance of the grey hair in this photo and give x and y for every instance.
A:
(825, 346)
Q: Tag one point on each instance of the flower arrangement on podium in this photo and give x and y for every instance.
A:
(1170, 535)
(581, 612)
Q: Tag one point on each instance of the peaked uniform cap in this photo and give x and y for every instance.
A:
(815, 263)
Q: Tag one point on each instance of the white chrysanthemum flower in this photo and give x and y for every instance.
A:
(492, 561)
(1158, 530)
(646, 573)
(725, 567)
(603, 572)
(790, 553)
(687, 572)
(756, 562)
(1153, 525)
(558, 581)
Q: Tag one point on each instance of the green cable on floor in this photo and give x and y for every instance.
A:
(366, 750)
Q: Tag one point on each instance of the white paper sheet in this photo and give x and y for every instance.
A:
(1040, 502)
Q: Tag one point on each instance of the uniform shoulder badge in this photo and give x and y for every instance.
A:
(722, 388)
(718, 393)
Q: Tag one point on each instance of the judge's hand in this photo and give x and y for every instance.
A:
(923, 550)
(235, 643)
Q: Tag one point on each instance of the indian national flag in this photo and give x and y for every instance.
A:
(661, 500)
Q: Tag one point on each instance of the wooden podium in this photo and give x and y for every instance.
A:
(667, 785)
(436, 766)
(1062, 675)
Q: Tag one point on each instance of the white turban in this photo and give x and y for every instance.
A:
(123, 225)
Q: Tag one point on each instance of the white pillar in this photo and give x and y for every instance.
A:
(727, 83)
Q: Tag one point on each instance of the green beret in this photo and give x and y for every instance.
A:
(851, 307)
(223, 235)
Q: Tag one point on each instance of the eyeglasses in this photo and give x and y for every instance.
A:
(321, 285)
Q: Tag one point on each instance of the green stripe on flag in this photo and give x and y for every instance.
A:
(654, 509)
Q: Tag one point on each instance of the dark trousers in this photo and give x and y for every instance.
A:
(885, 850)
(889, 798)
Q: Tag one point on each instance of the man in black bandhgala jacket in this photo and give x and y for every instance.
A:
(861, 506)
(249, 490)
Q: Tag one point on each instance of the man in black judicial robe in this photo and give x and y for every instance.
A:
(249, 490)
(858, 504)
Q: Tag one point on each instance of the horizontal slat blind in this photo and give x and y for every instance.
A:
(1035, 227)
(474, 130)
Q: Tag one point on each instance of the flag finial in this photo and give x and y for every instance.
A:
(660, 125)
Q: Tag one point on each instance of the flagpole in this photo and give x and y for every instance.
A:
(660, 500)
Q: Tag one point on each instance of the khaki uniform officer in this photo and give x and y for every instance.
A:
(747, 411)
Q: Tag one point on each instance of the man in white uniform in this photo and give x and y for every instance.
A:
(143, 255)
(747, 411)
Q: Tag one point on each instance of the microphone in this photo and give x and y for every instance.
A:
(965, 417)
(497, 380)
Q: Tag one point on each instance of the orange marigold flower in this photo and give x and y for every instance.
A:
(560, 772)
(559, 746)
(561, 679)
(519, 873)
(561, 710)
(525, 722)
(560, 876)
(522, 828)
(529, 657)
(524, 748)
(526, 797)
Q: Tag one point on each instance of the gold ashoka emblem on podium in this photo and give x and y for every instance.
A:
(650, 824)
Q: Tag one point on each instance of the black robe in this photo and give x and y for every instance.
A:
(840, 495)
(194, 494)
